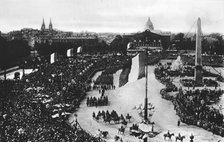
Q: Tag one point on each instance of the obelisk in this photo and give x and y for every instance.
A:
(198, 58)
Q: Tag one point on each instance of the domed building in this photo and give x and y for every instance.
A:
(149, 25)
(149, 38)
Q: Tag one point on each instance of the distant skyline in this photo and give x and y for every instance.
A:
(123, 16)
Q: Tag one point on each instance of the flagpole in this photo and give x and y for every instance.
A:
(62, 100)
(146, 89)
(72, 62)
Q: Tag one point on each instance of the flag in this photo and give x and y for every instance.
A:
(129, 45)
(79, 49)
(133, 75)
(53, 58)
(70, 52)
(142, 64)
(137, 67)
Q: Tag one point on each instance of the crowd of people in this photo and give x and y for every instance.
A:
(186, 70)
(36, 108)
(193, 83)
(27, 112)
(211, 60)
(93, 101)
(162, 76)
(154, 58)
(194, 107)
(103, 87)
(105, 80)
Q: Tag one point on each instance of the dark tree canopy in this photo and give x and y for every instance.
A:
(11, 51)
(211, 44)
(62, 47)
(119, 44)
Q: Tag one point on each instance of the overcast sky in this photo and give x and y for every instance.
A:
(112, 15)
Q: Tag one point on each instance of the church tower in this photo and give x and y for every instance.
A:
(50, 26)
(43, 26)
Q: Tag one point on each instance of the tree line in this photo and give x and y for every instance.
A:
(47, 48)
(211, 44)
(12, 51)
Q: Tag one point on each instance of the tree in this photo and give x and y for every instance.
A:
(179, 37)
(178, 40)
(115, 44)
(11, 51)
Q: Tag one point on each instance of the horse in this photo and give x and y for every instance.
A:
(107, 119)
(122, 117)
(135, 133)
(128, 117)
(191, 138)
(97, 118)
(116, 138)
(180, 138)
(121, 130)
(103, 133)
(124, 123)
(168, 135)
(93, 115)
(116, 119)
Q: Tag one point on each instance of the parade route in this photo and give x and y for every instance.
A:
(125, 100)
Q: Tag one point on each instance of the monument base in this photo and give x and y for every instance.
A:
(198, 74)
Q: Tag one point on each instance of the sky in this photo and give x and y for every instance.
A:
(123, 16)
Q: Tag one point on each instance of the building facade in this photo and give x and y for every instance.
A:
(149, 38)
(53, 36)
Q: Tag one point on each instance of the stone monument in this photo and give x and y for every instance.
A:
(198, 58)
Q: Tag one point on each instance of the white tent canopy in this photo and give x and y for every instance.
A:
(145, 127)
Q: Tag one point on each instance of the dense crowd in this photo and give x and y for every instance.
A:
(103, 87)
(162, 76)
(36, 108)
(207, 60)
(194, 107)
(186, 70)
(106, 78)
(27, 115)
(211, 60)
(154, 58)
(193, 83)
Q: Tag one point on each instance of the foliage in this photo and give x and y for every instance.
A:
(119, 44)
(12, 50)
(61, 47)
(211, 44)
